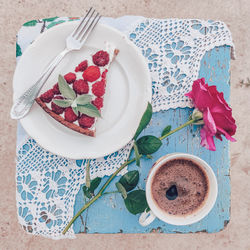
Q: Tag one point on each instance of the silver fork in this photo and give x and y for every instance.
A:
(74, 41)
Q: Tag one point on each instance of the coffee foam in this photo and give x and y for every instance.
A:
(192, 185)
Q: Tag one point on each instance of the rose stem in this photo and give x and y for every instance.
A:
(100, 193)
(177, 129)
(88, 174)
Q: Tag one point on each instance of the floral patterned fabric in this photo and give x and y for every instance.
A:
(47, 184)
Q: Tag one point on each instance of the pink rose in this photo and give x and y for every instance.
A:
(217, 115)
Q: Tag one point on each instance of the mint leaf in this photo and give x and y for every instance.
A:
(89, 109)
(166, 130)
(65, 89)
(136, 202)
(75, 110)
(130, 180)
(144, 121)
(121, 189)
(63, 103)
(148, 144)
(83, 99)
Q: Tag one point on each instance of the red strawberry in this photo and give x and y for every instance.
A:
(101, 58)
(47, 96)
(98, 88)
(57, 109)
(69, 115)
(56, 89)
(86, 121)
(70, 77)
(91, 74)
(104, 73)
(82, 66)
(98, 102)
(81, 87)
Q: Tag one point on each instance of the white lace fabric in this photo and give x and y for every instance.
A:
(47, 184)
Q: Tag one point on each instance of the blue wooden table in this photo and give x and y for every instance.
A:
(109, 215)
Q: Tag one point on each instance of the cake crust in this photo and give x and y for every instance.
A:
(85, 131)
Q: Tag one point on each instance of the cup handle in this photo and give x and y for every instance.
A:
(146, 218)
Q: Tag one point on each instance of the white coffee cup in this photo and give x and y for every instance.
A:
(147, 217)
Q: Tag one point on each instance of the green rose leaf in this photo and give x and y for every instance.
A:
(50, 19)
(94, 184)
(148, 144)
(89, 109)
(30, 23)
(144, 120)
(86, 192)
(136, 202)
(121, 189)
(166, 130)
(65, 89)
(130, 180)
(83, 99)
(89, 192)
(63, 103)
(18, 50)
(137, 155)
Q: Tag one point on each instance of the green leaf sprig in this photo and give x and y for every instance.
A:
(135, 201)
(89, 192)
(80, 103)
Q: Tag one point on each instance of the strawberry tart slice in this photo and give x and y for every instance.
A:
(76, 100)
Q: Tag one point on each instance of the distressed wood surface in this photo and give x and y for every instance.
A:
(109, 215)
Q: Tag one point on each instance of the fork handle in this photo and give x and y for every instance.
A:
(24, 103)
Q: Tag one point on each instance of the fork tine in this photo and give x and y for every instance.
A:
(76, 30)
(84, 26)
(90, 27)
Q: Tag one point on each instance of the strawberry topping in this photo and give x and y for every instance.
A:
(91, 74)
(82, 66)
(57, 109)
(86, 121)
(70, 77)
(81, 87)
(98, 88)
(47, 96)
(69, 115)
(100, 58)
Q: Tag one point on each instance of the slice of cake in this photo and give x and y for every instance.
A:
(76, 100)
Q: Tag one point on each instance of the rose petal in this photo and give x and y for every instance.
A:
(197, 85)
(225, 123)
(207, 140)
(226, 134)
(219, 104)
(218, 136)
(219, 96)
(202, 98)
(209, 122)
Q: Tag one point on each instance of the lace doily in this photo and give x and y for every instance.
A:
(174, 49)
(47, 184)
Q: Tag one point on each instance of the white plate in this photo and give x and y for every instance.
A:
(127, 94)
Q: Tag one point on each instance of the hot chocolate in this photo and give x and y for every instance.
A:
(179, 187)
